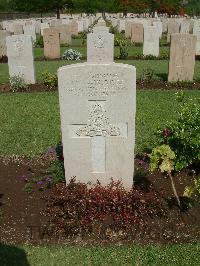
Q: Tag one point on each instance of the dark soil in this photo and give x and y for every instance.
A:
(21, 219)
(141, 85)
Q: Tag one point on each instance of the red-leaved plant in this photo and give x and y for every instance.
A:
(75, 208)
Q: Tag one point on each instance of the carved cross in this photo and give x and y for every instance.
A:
(98, 129)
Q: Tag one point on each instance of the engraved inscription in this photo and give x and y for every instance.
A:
(97, 85)
(19, 45)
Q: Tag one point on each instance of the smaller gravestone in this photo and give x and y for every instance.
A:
(137, 33)
(3, 35)
(18, 29)
(73, 28)
(65, 34)
(43, 26)
(51, 43)
(38, 27)
(56, 22)
(100, 29)
(29, 29)
(182, 57)
(101, 22)
(151, 41)
(20, 57)
(81, 25)
(185, 26)
(100, 47)
(121, 25)
(128, 29)
(196, 32)
(159, 27)
(173, 27)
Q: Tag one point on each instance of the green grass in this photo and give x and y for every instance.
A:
(170, 255)
(132, 50)
(160, 68)
(30, 122)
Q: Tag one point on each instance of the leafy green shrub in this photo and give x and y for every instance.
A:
(123, 48)
(193, 190)
(113, 30)
(183, 135)
(17, 82)
(81, 35)
(163, 157)
(39, 41)
(57, 172)
(164, 55)
(50, 79)
(71, 54)
(147, 74)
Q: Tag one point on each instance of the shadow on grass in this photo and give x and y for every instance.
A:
(11, 255)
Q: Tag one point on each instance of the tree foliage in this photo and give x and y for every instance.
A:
(193, 7)
(92, 6)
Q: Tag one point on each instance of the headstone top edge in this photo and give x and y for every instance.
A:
(96, 65)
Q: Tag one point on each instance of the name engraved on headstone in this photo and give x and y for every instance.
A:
(98, 85)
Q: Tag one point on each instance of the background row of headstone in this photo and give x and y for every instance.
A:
(137, 29)
(100, 49)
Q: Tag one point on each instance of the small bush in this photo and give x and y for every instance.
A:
(17, 82)
(39, 41)
(147, 74)
(193, 191)
(50, 79)
(113, 30)
(123, 48)
(183, 135)
(75, 208)
(71, 54)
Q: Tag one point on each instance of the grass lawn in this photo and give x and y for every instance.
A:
(160, 68)
(115, 255)
(30, 122)
(132, 51)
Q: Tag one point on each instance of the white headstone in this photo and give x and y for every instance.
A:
(185, 26)
(20, 57)
(18, 29)
(100, 29)
(121, 25)
(98, 105)
(100, 47)
(3, 35)
(159, 27)
(44, 25)
(29, 29)
(151, 41)
(196, 32)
